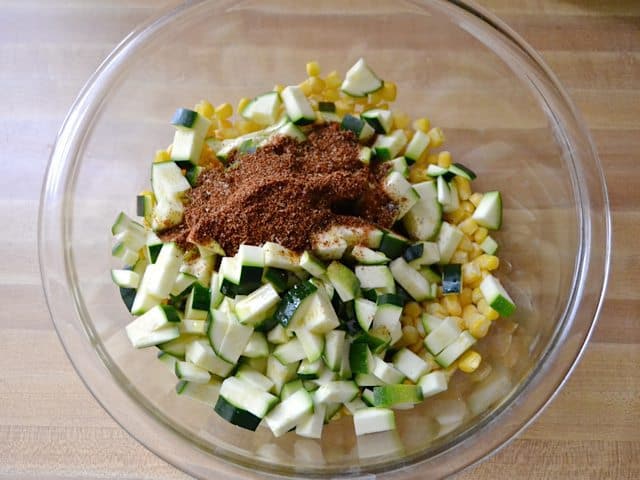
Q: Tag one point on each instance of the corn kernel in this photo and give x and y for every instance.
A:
(383, 106)
(467, 206)
(469, 226)
(406, 320)
(331, 94)
(434, 308)
(224, 111)
(225, 124)
(342, 107)
(313, 69)
(480, 327)
(410, 334)
(422, 124)
(459, 256)
(444, 159)
(205, 109)
(417, 174)
(487, 262)
(161, 156)
(242, 103)
(389, 91)
(460, 322)
(451, 304)
(480, 235)
(437, 137)
(412, 309)
(456, 216)
(317, 85)
(476, 295)
(305, 86)
(465, 244)
(465, 298)
(375, 98)
(464, 187)
(482, 305)
(475, 252)
(469, 312)
(400, 120)
(469, 361)
(247, 126)
(470, 273)
(230, 132)
(475, 198)
(333, 80)
(491, 314)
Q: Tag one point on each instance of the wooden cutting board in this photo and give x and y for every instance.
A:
(51, 427)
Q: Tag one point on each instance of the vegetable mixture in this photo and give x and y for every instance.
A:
(363, 319)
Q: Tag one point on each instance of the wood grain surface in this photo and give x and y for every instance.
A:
(51, 427)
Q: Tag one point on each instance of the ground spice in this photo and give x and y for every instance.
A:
(285, 192)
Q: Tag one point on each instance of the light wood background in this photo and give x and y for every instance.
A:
(51, 427)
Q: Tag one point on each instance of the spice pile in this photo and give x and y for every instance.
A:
(284, 192)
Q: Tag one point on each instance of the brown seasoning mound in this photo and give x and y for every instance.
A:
(285, 192)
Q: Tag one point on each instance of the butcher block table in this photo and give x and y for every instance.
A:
(50, 425)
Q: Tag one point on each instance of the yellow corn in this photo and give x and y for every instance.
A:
(487, 262)
(467, 206)
(400, 120)
(406, 320)
(247, 126)
(451, 304)
(243, 102)
(313, 69)
(278, 87)
(205, 109)
(475, 198)
(422, 124)
(306, 87)
(475, 252)
(480, 234)
(468, 226)
(434, 308)
(317, 85)
(410, 334)
(476, 295)
(444, 159)
(482, 305)
(465, 298)
(383, 106)
(331, 94)
(389, 91)
(375, 98)
(333, 80)
(224, 111)
(470, 273)
(225, 124)
(432, 159)
(418, 174)
(456, 216)
(465, 245)
(437, 137)
(459, 256)
(230, 132)
(161, 156)
(470, 313)
(464, 187)
(412, 309)
(480, 327)
(342, 107)
(469, 361)
(491, 314)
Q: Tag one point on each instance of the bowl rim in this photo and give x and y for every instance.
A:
(52, 212)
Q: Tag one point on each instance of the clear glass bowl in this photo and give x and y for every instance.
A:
(504, 114)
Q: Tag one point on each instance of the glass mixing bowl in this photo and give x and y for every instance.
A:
(504, 114)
